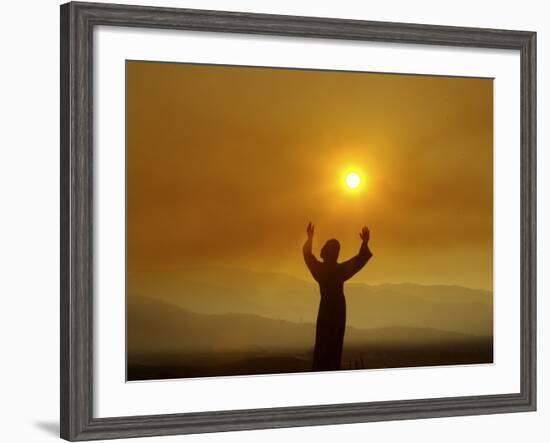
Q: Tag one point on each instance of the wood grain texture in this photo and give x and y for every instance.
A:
(77, 23)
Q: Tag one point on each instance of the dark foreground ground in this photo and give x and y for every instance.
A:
(155, 367)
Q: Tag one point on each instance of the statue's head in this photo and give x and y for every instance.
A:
(330, 251)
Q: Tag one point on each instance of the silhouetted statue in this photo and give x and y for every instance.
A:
(331, 275)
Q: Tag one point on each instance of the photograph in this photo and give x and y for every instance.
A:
(286, 220)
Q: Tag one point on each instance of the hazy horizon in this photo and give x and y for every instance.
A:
(174, 267)
(230, 290)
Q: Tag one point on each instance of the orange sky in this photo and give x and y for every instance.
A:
(226, 165)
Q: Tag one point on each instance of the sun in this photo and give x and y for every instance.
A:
(353, 180)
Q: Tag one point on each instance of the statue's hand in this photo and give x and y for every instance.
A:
(310, 229)
(365, 234)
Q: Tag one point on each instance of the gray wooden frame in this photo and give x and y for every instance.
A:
(77, 23)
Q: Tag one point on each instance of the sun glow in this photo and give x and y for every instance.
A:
(353, 180)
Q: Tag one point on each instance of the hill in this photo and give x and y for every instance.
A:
(279, 296)
(166, 341)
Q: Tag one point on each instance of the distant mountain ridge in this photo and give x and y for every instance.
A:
(286, 298)
(156, 326)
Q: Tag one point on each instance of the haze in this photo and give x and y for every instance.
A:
(226, 165)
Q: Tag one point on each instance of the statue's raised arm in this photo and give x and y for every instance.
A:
(310, 259)
(356, 263)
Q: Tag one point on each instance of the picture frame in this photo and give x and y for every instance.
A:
(78, 21)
